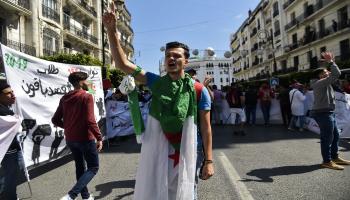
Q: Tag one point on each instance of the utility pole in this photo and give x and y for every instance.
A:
(104, 69)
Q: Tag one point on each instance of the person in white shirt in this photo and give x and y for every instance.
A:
(297, 99)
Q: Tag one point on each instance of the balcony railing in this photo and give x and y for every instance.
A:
(48, 52)
(84, 4)
(19, 46)
(80, 32)
(50, 13)
(311, 9)
(23, 3)
(314, 36)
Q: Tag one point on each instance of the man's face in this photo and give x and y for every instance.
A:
(84, 85)
(324, 74)
(175, 60)
(7, 97)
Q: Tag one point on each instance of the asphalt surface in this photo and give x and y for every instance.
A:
(269, 163)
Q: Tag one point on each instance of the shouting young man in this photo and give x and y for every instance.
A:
(168, 156)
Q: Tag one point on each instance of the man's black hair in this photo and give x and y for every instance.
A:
(3, 85)
(316, 73)
(178, 45)
(75, 77)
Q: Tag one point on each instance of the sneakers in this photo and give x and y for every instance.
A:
(91, 197)
(332, 165)
(341, 161)
(67, 197)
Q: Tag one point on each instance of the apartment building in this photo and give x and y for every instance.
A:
(282, 36)
(48, 27)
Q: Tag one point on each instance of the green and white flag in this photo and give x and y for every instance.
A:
(167, 163)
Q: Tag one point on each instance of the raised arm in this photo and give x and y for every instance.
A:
(121, 62)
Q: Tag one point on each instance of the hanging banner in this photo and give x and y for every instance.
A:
(39, 85)
(118, 118)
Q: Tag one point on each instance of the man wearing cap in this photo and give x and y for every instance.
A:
(323, 113)
(12, 162)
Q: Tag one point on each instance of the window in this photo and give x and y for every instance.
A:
(275, 9)
(2, 29)
(309, 56)
(227, 80)
(50, 42)
(322, 27)
(296, 61)
(221, 80)
(343, 17)
(344, 49)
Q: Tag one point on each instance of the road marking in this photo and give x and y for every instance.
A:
(234, 178)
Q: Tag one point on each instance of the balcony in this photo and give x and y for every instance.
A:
(277, 33)
(287, 4)
(83, 4)
(268, 21)
(22, 3)
(81, 33)
(23, 6)
(310, 11)
(19, 46)
(254, 32)
(50, 13)
(316, 36)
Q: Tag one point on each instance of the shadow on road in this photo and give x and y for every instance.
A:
(106, 188)
(223, 136)
(266, 174)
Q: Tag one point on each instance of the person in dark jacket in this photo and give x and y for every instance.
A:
(285, 106)
(75, 114)
(251, 99)
(12, 162)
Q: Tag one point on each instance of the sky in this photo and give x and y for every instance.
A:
(197, 23)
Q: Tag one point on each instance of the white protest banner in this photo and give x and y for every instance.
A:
(118, 118)
(342, 116)
(39, 85)
(9, 127)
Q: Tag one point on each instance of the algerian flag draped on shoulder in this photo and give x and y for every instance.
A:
(166, 169)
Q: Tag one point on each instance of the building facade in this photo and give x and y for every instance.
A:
(282, 36)
(48, 27)
(208, 64)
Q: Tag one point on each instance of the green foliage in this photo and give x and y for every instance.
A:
(116, 76)
(77, 59)
(344, 64)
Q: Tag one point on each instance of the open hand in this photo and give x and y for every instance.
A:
(109, 18)
(327, 56)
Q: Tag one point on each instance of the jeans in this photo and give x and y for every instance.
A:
(250, 109)
(200, 158)
(295, 119)
(329, 135)
(11, 165)
(265, 109)
(85, 151)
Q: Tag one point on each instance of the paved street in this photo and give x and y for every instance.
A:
(270, 163)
